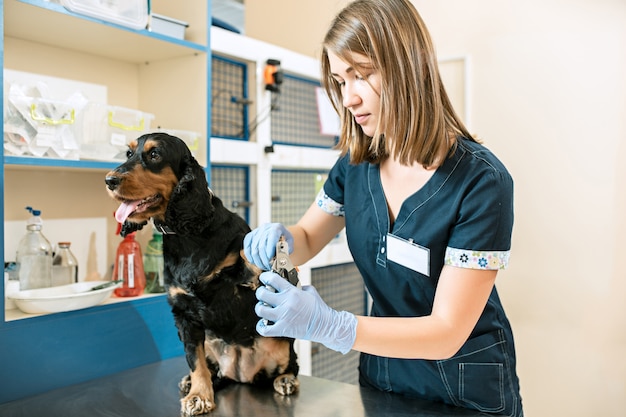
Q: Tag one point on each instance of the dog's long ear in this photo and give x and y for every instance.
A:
(129, 227)
(190, 210)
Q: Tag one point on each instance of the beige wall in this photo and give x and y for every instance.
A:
(295, 25)
(547, 94)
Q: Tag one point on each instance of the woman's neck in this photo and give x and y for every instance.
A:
(401, 181)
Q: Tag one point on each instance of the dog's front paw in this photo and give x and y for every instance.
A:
(185, 385)
(286, 384)
(193, 405)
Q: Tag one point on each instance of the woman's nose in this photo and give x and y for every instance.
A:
(350, 97)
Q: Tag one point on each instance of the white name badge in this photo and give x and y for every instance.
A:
(408, 254)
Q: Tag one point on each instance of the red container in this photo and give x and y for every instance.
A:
(129, 267)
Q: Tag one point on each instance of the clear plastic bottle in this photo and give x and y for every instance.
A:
(64, 265)
(129, 268)
(34, 255)
(153, 264)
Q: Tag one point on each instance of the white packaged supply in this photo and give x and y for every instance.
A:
(42, 127)
(128, 13)
(167, 26)
(109, 129)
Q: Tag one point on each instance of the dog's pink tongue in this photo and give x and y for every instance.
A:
(125, 209)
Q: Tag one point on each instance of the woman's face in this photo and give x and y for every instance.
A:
(360, 89)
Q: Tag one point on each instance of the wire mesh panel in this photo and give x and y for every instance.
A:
(230, 184)
(295, 121)
(229, 88)
(342, 288)
(293, 192)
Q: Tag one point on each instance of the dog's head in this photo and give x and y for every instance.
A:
(163, 181)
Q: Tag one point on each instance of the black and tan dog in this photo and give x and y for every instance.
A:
(210, 286)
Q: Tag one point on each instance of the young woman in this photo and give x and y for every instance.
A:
(428, 213)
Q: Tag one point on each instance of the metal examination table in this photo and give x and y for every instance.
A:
(152, 391)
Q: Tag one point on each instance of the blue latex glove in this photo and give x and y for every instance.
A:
(259, 245)
(302, 314)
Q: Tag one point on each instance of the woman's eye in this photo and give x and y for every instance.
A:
(362, 77)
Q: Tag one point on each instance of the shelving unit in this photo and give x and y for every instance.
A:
(161, 75)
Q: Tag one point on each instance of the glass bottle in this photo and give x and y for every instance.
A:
(153, 264)
(34, 255)
(129, 268)
(64, 265)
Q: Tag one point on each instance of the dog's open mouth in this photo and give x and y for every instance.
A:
(131, 207)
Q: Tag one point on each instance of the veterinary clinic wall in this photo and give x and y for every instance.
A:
(547, 95)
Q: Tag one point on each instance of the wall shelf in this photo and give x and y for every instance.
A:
(97, 37)
(16, 314)
(25, 161)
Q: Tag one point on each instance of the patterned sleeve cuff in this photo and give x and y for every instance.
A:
(462, 258)
(329, 205)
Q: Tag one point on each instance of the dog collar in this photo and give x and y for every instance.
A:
(164, 229)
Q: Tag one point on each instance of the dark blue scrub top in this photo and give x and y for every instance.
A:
(463, 216)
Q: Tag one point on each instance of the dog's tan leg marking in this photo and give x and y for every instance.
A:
(243, 364)
(200, 399)
(222, 354)
(277, 351)
(229, 260)
(174, 291)
(254, 272)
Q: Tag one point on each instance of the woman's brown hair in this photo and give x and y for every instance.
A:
(417, 121)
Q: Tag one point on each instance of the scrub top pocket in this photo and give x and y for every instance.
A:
(479, 375)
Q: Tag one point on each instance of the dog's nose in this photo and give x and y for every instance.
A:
(112, 181)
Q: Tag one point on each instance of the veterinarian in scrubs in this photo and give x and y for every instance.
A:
(428, 213)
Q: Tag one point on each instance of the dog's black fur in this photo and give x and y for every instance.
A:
(210, 286)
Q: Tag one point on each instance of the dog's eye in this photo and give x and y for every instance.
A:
(129, 153)
(154, 155)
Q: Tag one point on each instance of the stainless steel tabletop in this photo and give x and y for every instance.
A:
(152, 391)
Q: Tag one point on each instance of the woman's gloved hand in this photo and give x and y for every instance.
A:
(259, 245)
(302, 314)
